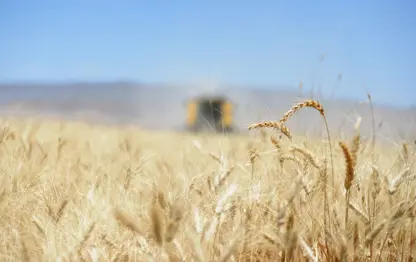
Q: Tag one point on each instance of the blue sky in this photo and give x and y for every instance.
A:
(242, 42)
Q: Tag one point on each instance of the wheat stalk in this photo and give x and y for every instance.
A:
(308, 155)
(127, 220)
(157, 228)
(354, 149)
(315, 105)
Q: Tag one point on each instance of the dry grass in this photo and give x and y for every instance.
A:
(74, 192)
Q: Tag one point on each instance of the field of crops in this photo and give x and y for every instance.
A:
(72, 191)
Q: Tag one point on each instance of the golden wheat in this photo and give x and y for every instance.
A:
(349, 166)
(349, 177)
(169, 202)
(354, 149)
(270, 124)
(316, 105)
(307, 103)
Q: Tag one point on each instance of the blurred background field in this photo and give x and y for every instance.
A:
(163, 107)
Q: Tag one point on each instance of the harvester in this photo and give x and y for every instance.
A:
(210, 113)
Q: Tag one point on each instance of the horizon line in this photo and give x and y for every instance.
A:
(221, 85)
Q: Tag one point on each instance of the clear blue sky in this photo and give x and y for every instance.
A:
(243, 42)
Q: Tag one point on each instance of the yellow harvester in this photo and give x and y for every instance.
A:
(210, 113)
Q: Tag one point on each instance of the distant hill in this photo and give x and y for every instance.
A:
(161, 106)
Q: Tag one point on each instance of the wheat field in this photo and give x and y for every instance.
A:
(74, 191)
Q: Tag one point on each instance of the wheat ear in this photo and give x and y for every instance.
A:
(271, 124)
(349, 176)
(297, 107)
